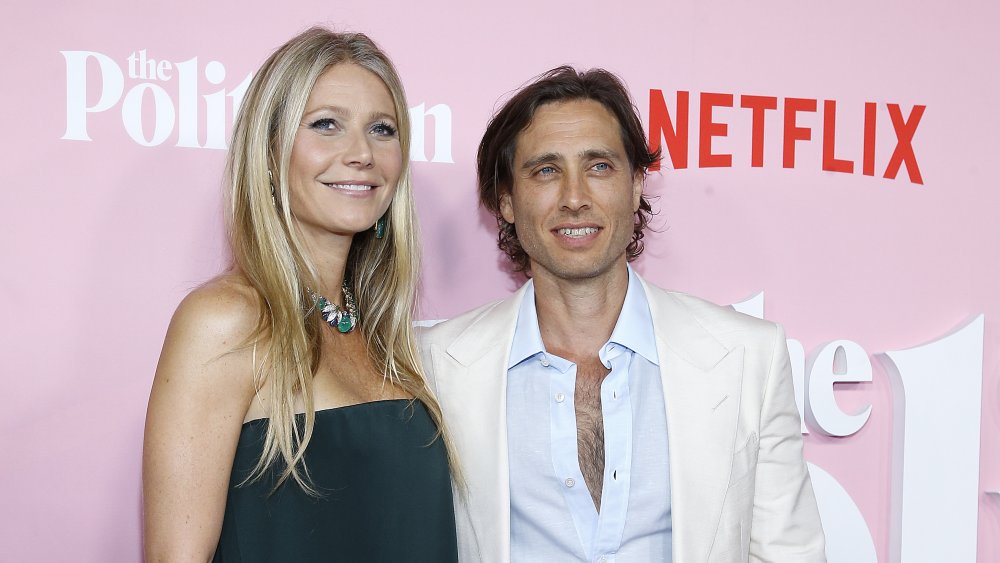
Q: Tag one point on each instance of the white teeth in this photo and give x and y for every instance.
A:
(352, 187)
(581, 232)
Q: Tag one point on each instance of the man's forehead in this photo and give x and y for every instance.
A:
(575, 128)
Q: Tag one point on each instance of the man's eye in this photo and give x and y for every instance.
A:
(383, 129)
(546, 170)
(602, 167)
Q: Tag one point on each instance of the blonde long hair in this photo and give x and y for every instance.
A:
(382, 272)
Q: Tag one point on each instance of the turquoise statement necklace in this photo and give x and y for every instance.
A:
(345, 318)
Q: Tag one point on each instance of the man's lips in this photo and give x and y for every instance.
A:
(576, 231)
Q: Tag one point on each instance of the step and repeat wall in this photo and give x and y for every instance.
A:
(826, 166)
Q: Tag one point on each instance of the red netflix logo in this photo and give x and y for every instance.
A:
(673, 132)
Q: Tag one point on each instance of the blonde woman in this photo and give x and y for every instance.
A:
(289, 419)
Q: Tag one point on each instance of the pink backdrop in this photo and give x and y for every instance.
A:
(102, 238)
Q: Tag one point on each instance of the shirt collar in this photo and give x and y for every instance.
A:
(634, 329)
(527, 338)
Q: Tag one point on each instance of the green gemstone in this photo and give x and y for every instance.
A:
(345, 324)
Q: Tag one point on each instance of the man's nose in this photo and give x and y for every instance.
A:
(574, 192)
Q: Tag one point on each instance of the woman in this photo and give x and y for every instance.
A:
(289, 420)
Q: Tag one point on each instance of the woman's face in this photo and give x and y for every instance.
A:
(346, 157)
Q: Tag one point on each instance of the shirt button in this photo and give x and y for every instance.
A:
(602, 560)
(560, 397)
(570, 482)
(545, 361)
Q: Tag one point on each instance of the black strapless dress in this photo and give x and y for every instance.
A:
(385, 486)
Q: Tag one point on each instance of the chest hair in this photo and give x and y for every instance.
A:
(590, 373)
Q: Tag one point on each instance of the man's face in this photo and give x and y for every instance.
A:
(574, 196)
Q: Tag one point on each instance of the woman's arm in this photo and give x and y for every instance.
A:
(200, 396)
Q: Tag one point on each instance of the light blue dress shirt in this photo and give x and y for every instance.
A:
(552, 514)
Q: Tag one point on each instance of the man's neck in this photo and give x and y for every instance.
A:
(576, 317)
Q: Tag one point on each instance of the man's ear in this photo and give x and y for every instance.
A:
(506, 208)
(637, 182)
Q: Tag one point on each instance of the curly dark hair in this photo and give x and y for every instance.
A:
(495, 159)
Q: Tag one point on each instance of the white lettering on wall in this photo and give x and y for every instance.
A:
(163, 125)
(842, 361)
(442, 133)
(937, 390)
(173, 91)
(936, 446)
(112, 86)
(848, 538)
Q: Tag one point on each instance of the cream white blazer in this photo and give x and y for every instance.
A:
(739, 486)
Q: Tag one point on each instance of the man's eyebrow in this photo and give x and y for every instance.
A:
(595, 154)
(540, 159)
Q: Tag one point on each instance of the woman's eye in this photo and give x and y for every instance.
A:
(324, 124)
(383, 129)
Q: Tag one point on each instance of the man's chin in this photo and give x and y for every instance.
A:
(575, 269)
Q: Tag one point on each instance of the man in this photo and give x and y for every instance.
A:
(596, 417)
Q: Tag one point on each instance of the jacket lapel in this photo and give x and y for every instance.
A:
(471, 374)
(701, 390)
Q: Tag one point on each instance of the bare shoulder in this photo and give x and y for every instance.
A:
(224, 309)
(211, 332)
